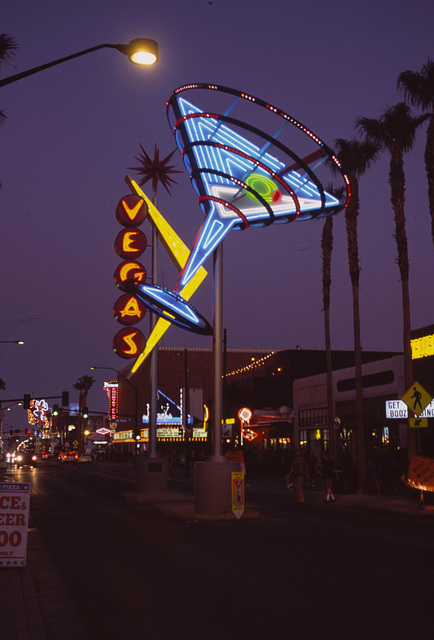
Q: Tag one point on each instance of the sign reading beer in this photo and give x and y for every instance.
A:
(14, 523)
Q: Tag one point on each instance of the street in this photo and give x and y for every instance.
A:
(295, 571)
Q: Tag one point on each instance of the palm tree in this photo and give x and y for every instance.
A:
(82, 385)
(356, 157)
(418, 88)
(8, 47)
(2, 384)
(327, 249)
(395, 131)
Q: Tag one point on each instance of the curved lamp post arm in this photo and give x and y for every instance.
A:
(145, 45)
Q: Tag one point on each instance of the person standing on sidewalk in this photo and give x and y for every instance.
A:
(300, 472)
(329, 473)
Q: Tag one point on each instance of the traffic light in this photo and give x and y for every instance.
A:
(55, 409)
(65, 398)
(85, 412)
(26, 401)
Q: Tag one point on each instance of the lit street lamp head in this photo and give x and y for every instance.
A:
(141, 51)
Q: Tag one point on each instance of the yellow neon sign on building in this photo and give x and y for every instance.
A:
(422, 347)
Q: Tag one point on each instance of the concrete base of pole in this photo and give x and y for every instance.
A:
(213, 486)
(152, 474)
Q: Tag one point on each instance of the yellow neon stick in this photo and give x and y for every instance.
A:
(179, 253)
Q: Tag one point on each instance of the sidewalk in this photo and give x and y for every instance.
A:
(406, 503)
(35, 605)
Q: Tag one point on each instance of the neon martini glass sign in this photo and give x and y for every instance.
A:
(244, 176)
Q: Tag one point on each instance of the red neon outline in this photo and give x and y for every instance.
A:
(270, 107)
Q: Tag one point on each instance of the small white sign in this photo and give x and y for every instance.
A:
(14, 523)
(396, 409)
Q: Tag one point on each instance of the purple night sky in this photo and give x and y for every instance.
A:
(72, 133)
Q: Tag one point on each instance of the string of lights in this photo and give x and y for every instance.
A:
(255, 363)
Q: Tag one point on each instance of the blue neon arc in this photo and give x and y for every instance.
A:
(220, 162)
(171, 306)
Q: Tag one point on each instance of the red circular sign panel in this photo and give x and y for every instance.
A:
(131, 211)
(129, 342)
(128, 310)
(130, 243)
(129, 271)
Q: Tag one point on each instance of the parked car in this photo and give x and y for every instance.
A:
(26, 459)
(86, 457)
(68, 456)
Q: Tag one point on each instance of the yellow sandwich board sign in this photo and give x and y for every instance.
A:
(238, 493)
(417, 398)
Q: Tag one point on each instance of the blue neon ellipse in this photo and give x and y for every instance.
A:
(171, 306)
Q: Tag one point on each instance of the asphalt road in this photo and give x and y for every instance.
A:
(297, 571)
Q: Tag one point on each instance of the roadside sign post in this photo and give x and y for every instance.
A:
(14, 523)
(417, 399)
(238, 493)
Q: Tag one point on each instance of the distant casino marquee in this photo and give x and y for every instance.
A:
(422, 347)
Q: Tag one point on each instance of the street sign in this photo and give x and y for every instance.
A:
(14, 523)
(398, 410)
(418, 423)
(238, 493)
(417, 398)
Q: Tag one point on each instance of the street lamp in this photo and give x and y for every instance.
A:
(142, 51)
(2, 415)
(11, 341)
(133, 386)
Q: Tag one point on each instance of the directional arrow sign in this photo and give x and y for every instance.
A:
(417, 398)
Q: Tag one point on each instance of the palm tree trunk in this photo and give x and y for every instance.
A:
(327, 248)
(353, 259)
(397, 185)
(429, 167)
(360, 426)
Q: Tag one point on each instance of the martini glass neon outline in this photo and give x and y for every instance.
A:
(200, 171)
(215, 184)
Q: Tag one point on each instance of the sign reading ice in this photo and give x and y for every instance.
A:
(14, 522)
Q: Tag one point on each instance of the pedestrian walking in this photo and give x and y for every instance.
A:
(329, 473)
(313, 468)
(300, 472)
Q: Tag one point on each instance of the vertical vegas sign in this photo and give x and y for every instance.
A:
(130, 243)
(14, 522)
